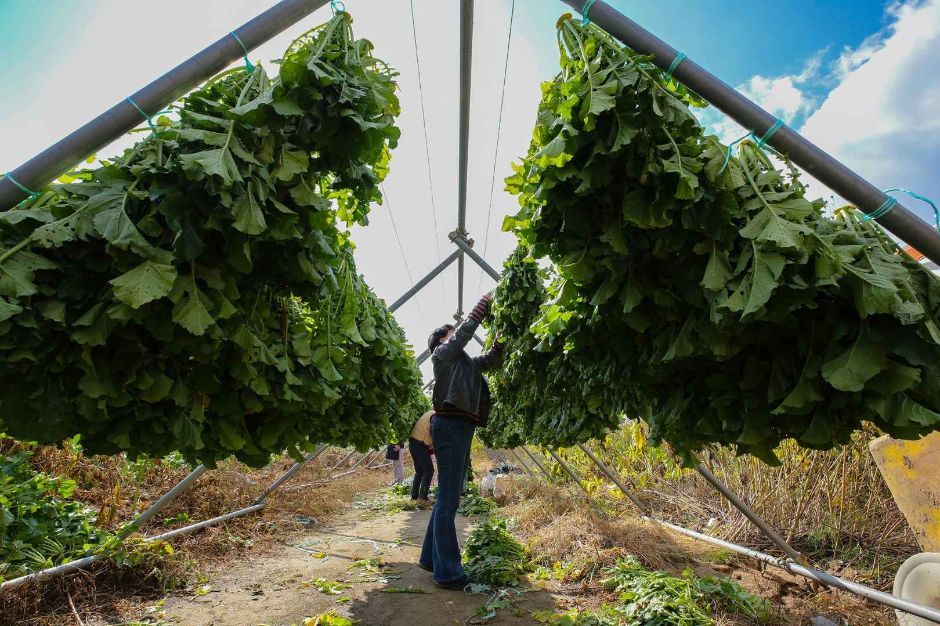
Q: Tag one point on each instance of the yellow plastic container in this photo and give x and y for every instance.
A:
(912, 471)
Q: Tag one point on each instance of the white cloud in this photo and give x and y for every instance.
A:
(786, 97)
(882, 119)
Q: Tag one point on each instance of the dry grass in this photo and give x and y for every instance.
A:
(560, 527)
(111, 485)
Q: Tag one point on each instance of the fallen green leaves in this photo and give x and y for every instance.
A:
(198, 293)
(492, 556)
(716, 303)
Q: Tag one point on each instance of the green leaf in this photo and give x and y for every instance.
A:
(249, 218)
(147, 282)
(192, 312)
(115, 226)
(850, 370)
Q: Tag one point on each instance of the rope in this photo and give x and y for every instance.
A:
(585, 12)
(248, 64)
(499, 128)
(881, 211)
(21, 187)
(427, 149)
(143, 114)
(761, 142)
(675, 63)
(401, 248)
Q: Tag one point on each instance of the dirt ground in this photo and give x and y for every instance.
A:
(270, 588)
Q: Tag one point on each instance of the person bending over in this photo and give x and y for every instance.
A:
(421, 447)
(461, 401)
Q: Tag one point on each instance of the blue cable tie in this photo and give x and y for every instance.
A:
(770, 133)
(143, 113)
(20, 186)
(675, 63)
(585, 12)
(881, 211)
(729, 149)
(338, 6)
(248, 64)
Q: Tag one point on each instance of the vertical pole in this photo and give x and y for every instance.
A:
(749, 513)
(466, 65)
(289, 474)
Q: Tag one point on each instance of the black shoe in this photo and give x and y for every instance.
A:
(425, 567)
(455, 585)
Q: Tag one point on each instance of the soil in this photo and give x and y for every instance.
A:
(270, 588)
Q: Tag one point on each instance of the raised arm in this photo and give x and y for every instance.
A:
(492, 359)
(462, 335)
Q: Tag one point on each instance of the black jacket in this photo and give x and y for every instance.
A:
(458, 379)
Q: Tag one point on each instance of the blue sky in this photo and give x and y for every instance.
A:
(857, 77)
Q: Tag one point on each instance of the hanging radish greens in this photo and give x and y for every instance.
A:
(198, 293)
(718, 304)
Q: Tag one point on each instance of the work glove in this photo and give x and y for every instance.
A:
(481, 310)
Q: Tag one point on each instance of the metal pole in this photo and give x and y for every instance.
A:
(613, 477)
(570, 471)
(157, 506)
(289, 474)
(465, 246)
(424, 281)
(65, 568)
(466, 63)
(830, 172)
(209, 522)
(749, 513)
(343, 460)
(478, 340)
(521, 462)
(122, 117)
(538, 464)
(423, 356)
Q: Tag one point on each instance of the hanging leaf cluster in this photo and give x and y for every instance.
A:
(198, 293)
(713, 300)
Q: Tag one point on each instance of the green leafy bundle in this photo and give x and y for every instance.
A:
(717, 303)
(198, 293)
(474, 504)
(39, 526)
(492, 556)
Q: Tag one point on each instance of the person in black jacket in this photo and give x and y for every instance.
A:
(461, 401)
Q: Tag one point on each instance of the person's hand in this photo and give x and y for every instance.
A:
(482, 308)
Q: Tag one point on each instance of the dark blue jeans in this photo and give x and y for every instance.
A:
(424, 469)
(452, 437)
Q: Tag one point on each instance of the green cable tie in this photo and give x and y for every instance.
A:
(914, 194)
(338, 6)
(150, 123)
(20, 186)
(881, 211)
(248, 64)
(585, 12)
(770, 133)
(675, 63)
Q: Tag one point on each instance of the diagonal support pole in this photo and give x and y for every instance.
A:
(750, 514)
(830, 172)
(613, 477)
(538, 464)
(463, 244)
(522, 463)
(424, 281)
(569, 471)
(289, 474)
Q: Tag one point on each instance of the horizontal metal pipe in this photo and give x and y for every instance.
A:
(830, 172)
(209, 522)
(296, 467)
(122, 117)
(58, 570)
(424, 281)
(463, 245)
